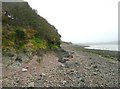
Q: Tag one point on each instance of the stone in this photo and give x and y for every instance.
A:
(77, 63)
(62, 65)
(67, 66)
(95, 73)
(42, 74)
(64, 82)
(19, 58)
(72, 70)
(17, 81)
(35, 74)
(14, 57)
(24, 70)
(70, 56)
(97, 69)
(90, 58)
(95, 66)
(82, 80)
(31, 84)
(72, 52)
(66, 59)
(88, 68)
(63, 60)
(27, 67)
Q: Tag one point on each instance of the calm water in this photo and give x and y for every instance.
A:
(113, 47)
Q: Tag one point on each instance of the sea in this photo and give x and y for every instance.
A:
(104, 46)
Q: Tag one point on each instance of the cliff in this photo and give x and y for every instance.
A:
(23, 30)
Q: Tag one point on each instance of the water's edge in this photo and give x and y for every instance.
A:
(111, 47)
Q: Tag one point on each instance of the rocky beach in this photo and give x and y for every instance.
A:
(69, 66)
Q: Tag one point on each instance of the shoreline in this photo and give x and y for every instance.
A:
(89, 47)
(105, 53)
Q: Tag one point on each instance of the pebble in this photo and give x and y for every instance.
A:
(95, 66)
(95, 73)
(24, 70)
(64, 82)
(65, 59)
(17, 81)
(68, 74)
(13, 58)
(19, 58)
(82, 80)
(43, 74)
(90, 58)
(70, 56)
(49, 76)
(31, 84)
(27, 67)
(88, 68)
(35, 74)
(62, 65)
(77, 63)
(97, 69)
(72, 70)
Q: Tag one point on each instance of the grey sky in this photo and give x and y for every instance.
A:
(81, 21)
(11, 0)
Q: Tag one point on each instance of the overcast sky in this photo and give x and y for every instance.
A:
(81, 21)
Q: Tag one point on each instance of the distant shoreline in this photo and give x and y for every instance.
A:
(101, 46)
(105, 53)
(104, 49)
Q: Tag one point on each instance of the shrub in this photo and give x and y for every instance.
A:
(39, 43)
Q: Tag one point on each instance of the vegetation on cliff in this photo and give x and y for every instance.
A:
(24, 30)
